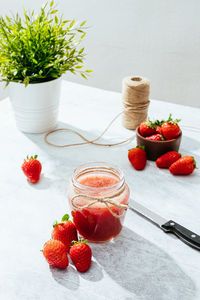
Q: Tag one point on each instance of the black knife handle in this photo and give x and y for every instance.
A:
(187, 236)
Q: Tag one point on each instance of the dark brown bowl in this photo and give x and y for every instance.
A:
(155, 149)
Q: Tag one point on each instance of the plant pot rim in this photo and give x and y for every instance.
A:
(34, 83)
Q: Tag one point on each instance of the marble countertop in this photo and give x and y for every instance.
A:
(142, 262)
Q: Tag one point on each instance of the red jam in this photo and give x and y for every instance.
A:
(96, 223)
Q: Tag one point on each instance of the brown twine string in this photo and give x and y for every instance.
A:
(135, 95)
(105, 200)
(136, 101)
(192, 128)
(94, 141)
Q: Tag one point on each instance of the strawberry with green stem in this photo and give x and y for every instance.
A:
(32, 168)
(65, 231)
(147, 128)
(138, 157)
(81, 255)
(170, 129)
(183, 166)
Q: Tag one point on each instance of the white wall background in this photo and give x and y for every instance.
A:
(159, 39)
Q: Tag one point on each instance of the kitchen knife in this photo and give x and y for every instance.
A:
(187, 236)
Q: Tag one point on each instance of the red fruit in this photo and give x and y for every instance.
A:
(32, 168)
(183, 166)
(97, 227)
(155, 137)
(159, 130)
(55, 253)
(138, 157)
(65, 232)
(81, 255)
(147, 128)
(167, 159)
(170, 129)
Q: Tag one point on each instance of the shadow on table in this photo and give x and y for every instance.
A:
(136, 265)
(65, 137)
(43, 183)
(69, 278)
(142, 268)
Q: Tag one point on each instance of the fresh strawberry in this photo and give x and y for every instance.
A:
(138, 157)
(183, 166)
(65, 231)
(32, 168)
(159, 129)
(81, 255)
(55, 253)
(147, 128)
(170, 129)
(155, 137)
(167, 159)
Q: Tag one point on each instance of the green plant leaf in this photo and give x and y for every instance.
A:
(83, 75)
(53, 11)
(26, 81)
(83, 23)
(72, 24)
(40, 47)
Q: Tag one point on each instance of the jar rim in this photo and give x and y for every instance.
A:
(98, 166)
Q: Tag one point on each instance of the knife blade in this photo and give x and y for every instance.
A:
(168, 226)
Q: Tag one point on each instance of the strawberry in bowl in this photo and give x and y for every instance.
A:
(159, 137)
(170, 129)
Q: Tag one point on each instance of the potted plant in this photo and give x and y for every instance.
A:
(34, 53)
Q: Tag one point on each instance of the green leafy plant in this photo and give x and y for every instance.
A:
(39, 48)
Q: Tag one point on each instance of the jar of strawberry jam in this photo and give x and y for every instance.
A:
(98, 197)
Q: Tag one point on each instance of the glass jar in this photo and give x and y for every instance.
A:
(98, 198)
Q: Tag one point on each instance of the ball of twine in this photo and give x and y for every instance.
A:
(135, 95)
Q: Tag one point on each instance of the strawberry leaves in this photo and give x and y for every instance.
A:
(141, 147)
(65, 218)
(81, 241)
(151, 124)
(156, 123)
(32, 157)
(170, 120)
(55, 224)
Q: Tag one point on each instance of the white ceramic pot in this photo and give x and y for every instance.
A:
(35, 106)
(3, 91)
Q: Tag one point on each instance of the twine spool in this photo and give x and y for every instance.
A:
(135, 95)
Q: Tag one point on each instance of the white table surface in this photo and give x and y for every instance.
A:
(143, 262)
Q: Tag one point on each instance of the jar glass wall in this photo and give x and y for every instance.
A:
(98, 196)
